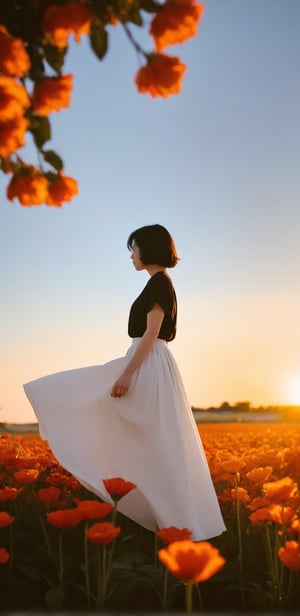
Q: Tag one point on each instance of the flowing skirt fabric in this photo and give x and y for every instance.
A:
(148, 437)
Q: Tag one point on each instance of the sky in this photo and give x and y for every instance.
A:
(218, 165)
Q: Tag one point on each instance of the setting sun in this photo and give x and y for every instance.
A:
(293, 390)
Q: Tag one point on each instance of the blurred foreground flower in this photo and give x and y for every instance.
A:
(52, 94)
(176, 22)
(13, 99)
(161, 76)
(14, 59)
(12, 135)
(192, 562)
(62, 189)
(59, 21)
(29, 186)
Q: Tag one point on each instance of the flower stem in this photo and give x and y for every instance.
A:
(60, 558)
(189, 597)
(86, 566)
(240, 542)
(165, 590)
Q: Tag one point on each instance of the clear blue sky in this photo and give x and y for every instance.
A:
(219, 165)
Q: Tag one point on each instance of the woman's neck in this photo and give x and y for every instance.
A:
(153, 269)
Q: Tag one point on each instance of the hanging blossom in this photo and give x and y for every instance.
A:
(176, 22)
(52, 94)
(161, 76)
(59, 21)
(28, 60)
(14, 59)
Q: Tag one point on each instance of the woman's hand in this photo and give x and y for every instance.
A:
(121, 386)
(154, 320)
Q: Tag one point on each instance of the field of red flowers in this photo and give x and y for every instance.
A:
(61, 547)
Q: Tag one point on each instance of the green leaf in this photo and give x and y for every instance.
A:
(99, 41)
(55, 57)
(40, 129)
(150, 6)
(135, 17)
(53, 159)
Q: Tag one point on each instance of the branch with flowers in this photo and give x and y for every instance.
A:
(34, 41)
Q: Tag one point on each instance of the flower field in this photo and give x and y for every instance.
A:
(61, 547)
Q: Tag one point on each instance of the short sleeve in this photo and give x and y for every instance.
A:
(159, 293)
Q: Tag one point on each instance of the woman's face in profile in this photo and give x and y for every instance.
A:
(136, 258)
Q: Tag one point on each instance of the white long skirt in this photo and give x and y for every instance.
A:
(148, 436)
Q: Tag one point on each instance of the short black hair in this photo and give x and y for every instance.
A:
(156, 245)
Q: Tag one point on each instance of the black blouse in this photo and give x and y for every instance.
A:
(158, 290)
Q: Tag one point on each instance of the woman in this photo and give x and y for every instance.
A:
(130, 417)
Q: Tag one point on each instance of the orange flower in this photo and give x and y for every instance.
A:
(233, 495)
(48, 495)
(118, 487)
(5, 519)
(58, 21)
(260, 515)
(161, 76)
(234, 465)
(281, 490)
(30, 187)
(52, 94)
(282, 515)
(26, 476)
(93, 510)
(176, 22)
(192, 562)
(64, 518)
(258, 503)
(102, 533)
(62, 189)
(4, 556)
(9, 494)
(171, 534)
(12, 135)
(294, 529)
(273, 513)
(13, 99)
(289, 555)
(14, 59)
(259, 474)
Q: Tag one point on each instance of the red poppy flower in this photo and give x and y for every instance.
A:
(48, 495)
(289, 554)
(102, 533)
(172, 533)
(5, 519)
(64, 518)
(4, 556)
(93, 510)
(9, 494)
(118, 487)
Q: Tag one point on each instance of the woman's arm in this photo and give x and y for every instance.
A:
(154, 321)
